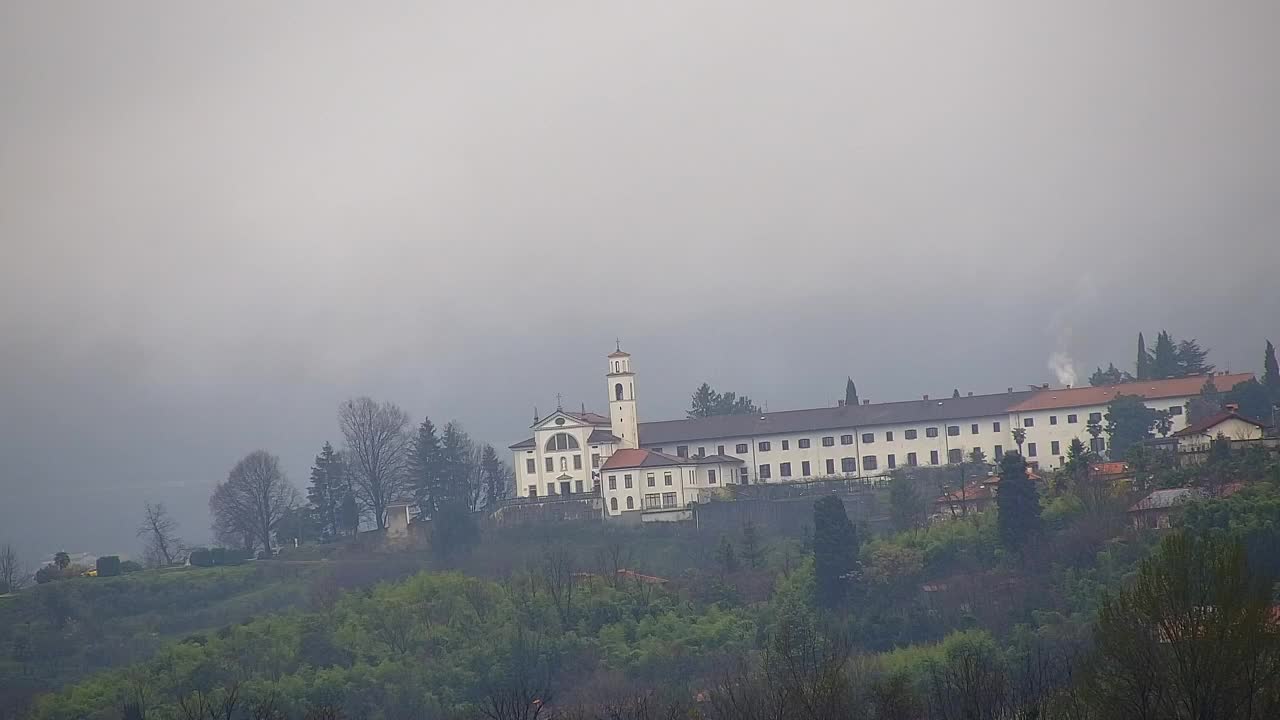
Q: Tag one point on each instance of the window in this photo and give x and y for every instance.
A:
(577, 486)
(804, 468)
(910, 434)
(828, 441)
(1072, 419)
(595, 460)
(666, 479)
(682, 451)
(1095, 417)
(999, 452)
(786, 444)
(626, 481)
(1053, 419)
(763, 446)
(1053, 448)
(652, 501)
(784, 470)
(564, 464)
(530, 467)
(1028, 422)
(742, 448)
(995, 426)
(551, 465)
(577, 462)
(657, 449)
(1031, 449)
(893, 462)
(955, 456)
(533, 491)
(846, 439)
(649, 480)
(911, 459)
(868, 437)
(668, 500)
(617, 391)
(742, 474)
(561, 441)
(719, 449)
(803, 443)
(613, 482)
(551, 488)
(848, 465)
(868, 462)
(831, 466)
(933, 457)
(931, 432)
(1097, 444)
(764, 472)
(973, 429)
(613, 504)
(953, 430)
(711, 477)
(702, 452)
(631, 503)
(1175, 410)
(888, 436)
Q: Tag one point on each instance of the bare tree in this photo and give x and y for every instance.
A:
(13, 573)
(253, 499)
(377, 453)
(159, 534)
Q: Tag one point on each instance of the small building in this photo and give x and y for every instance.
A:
(1228, 423)
(1154, 511)
(661, 486)
(975, 497)
(398, 518)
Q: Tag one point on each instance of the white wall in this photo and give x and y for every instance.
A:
(538, 453)
(1045, 432)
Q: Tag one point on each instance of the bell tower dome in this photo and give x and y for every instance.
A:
(622, 399)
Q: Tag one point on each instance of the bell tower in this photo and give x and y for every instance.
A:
(622, 399)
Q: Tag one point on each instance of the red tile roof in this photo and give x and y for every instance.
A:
(1149, 389)
(1208, 423)
(630, 458)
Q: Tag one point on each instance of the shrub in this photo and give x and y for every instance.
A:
(108, 566)
(130, 566)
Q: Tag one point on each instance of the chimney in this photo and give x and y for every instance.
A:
(1232, 407)
(1046, 386)
(926, 397)
(866, 402)
(1010, 389)
(839, 403)
(970, 393)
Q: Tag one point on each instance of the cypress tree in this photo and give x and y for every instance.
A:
(1143, 368)
(850, 392)
(1271, 373)
(1164, 359)
(835, 551)
(1019, 503)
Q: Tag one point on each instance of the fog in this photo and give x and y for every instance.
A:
(218, 221)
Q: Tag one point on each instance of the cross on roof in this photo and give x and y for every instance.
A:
(559, 402)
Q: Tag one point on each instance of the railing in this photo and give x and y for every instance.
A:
(554, 497)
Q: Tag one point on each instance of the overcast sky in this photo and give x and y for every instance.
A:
(219, 220)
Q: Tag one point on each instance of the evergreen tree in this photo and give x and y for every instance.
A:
(1164, 423)
(1094, 428)
(850, 393)
(1252, 398)
(1143, 369)
(1208, 402)
(977, 456)
(324, 495)
(425, 468)
(453, 528)
(705, 402)
(1271, 373)
(835, 551)
(726, 557)
(349, 514)
(906, 506)
(1129, 421)
(1164, 359)
(1191, 360)
(955, 394)
(497, 478)
(1111, 376)
(1018, 502)
(752, 550)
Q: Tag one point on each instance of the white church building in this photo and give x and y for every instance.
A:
(658, 468)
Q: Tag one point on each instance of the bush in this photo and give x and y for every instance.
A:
(130, 566)
(108, 566)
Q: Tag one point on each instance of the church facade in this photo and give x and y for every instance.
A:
(658, 468)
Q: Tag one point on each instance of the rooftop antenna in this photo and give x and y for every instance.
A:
(617, 344)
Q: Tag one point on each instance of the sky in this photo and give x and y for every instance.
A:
(220, 220)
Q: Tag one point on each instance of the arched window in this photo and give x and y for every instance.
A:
(613, 504)
(617, 391)
(562, 441)
(615, 366)
(564, 464)
(631, 504)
